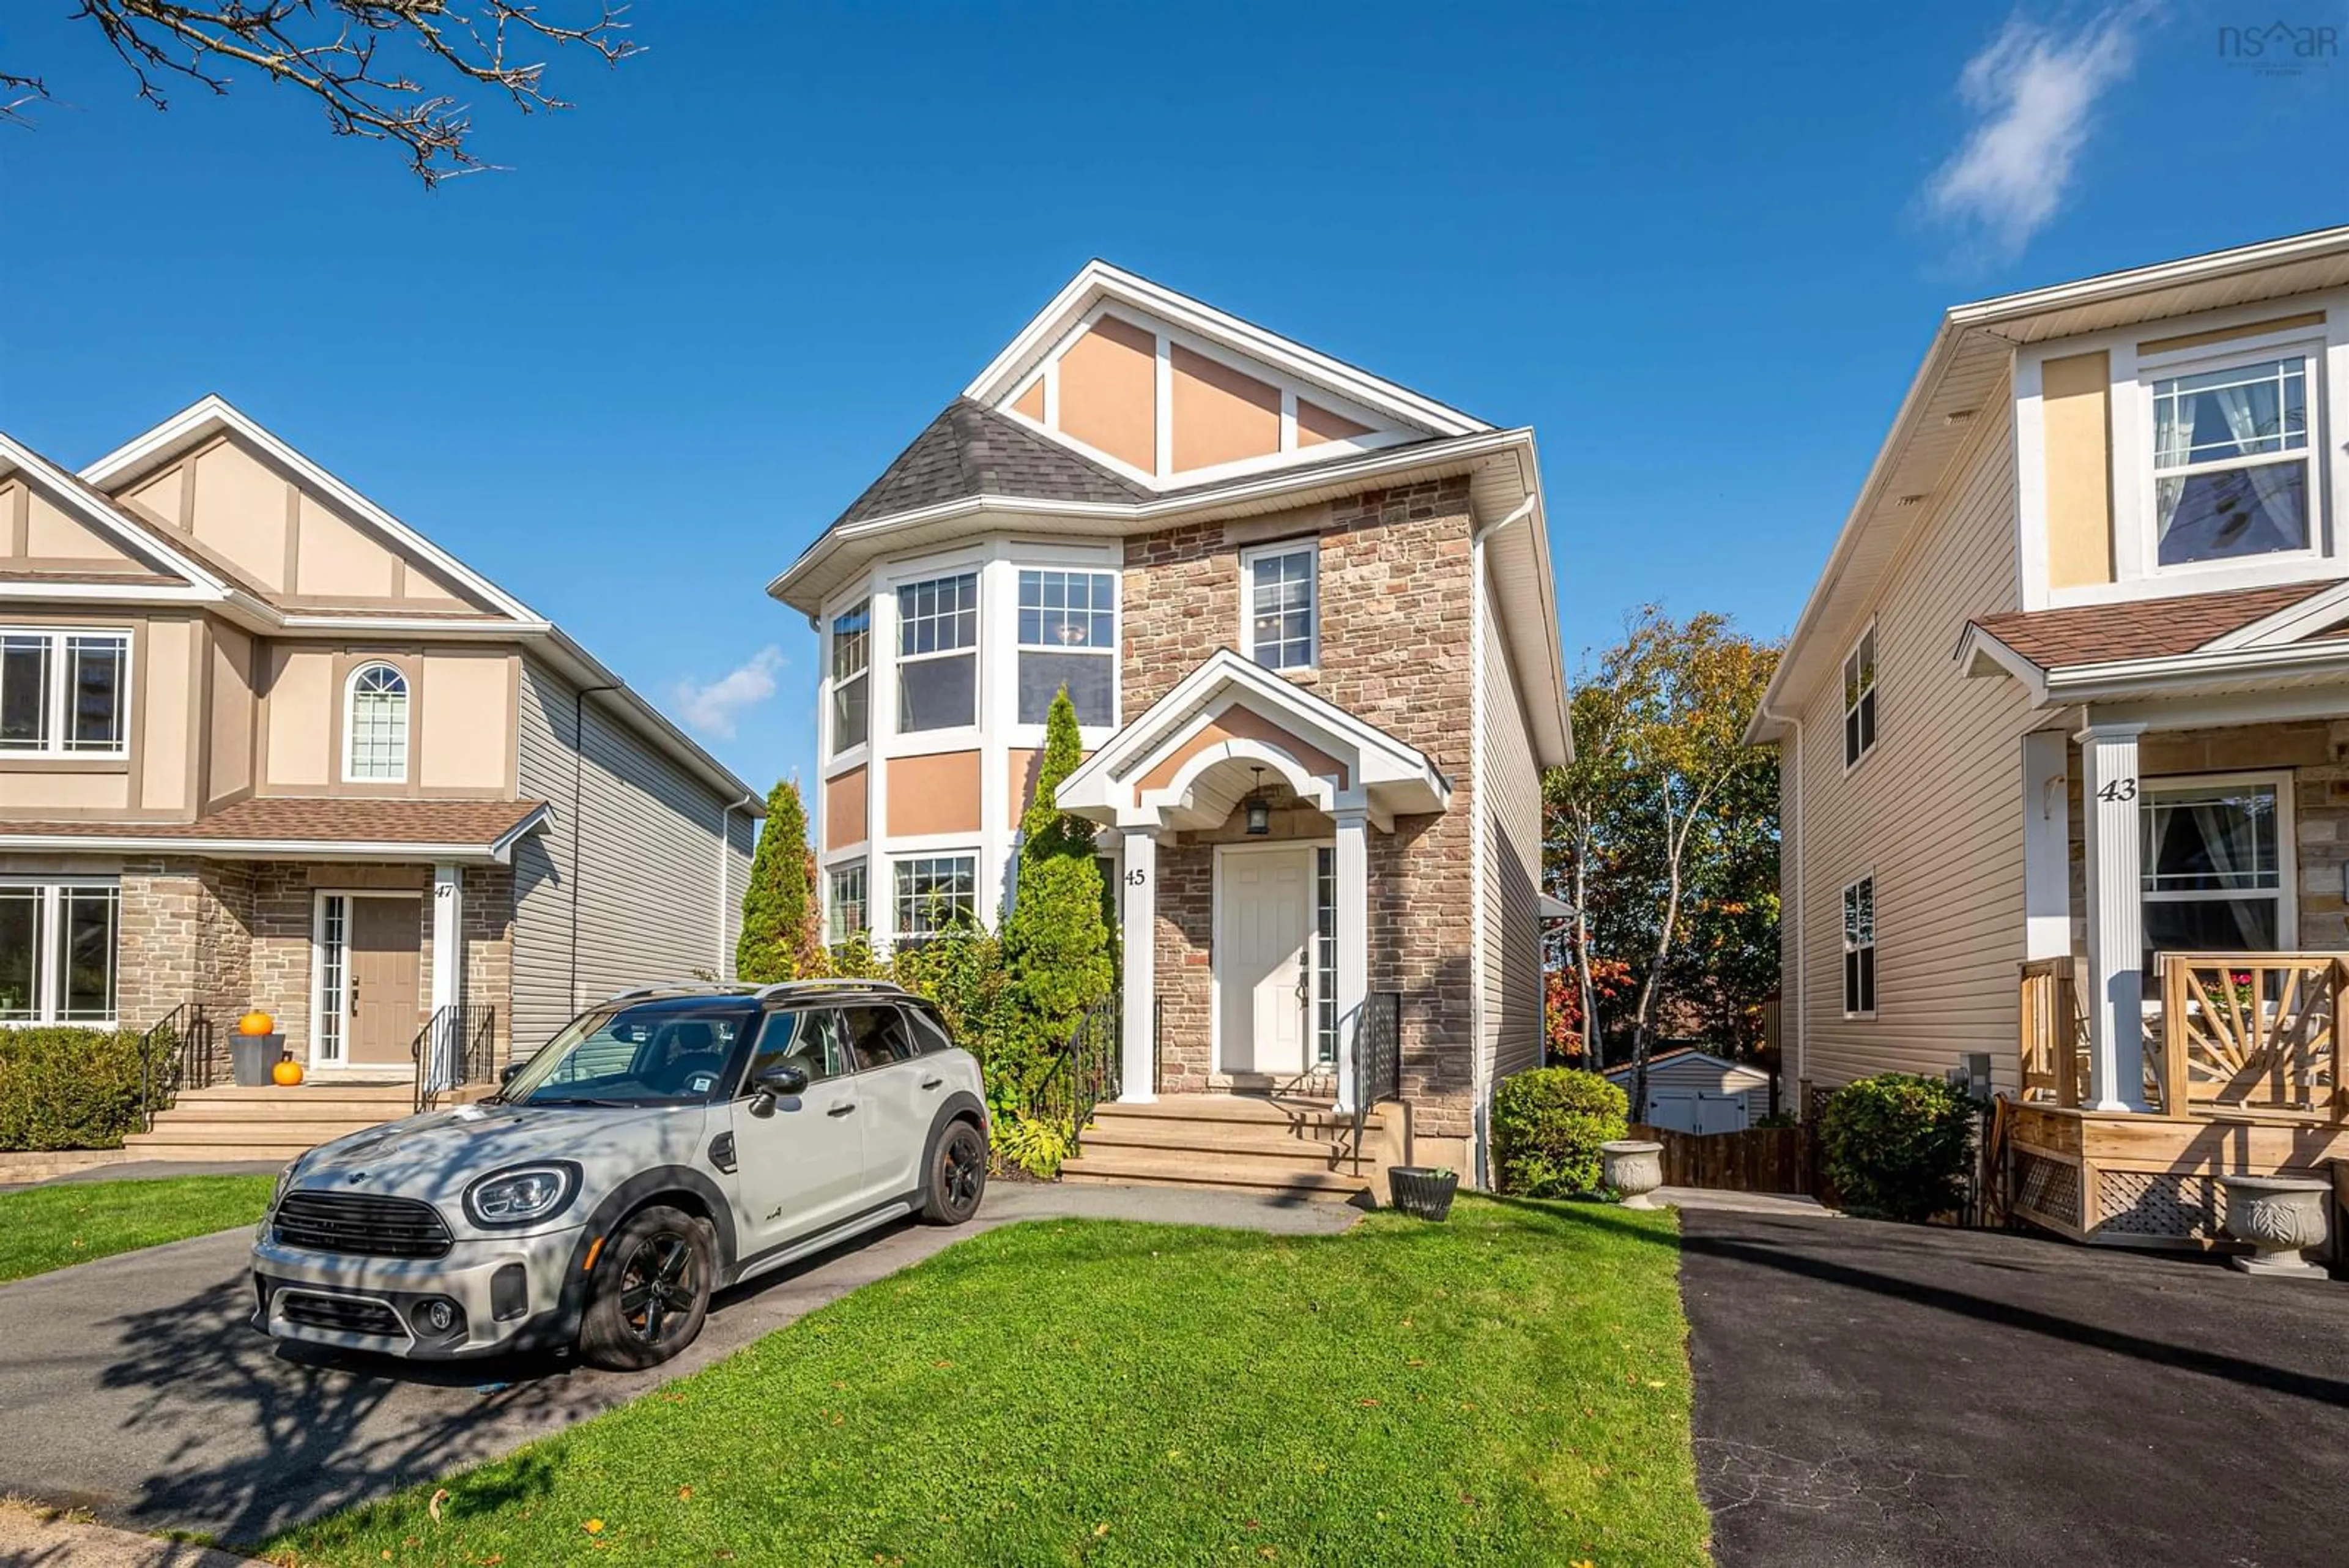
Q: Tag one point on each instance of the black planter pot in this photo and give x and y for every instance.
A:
(1422, 1192)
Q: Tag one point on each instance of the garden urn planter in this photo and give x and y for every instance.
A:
(1422, 1192)
(1634, 1168)
(2280, 1216)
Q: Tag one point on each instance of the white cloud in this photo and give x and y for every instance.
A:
(715, 708)
(2033, 90)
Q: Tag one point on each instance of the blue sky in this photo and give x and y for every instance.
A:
(1701, 250)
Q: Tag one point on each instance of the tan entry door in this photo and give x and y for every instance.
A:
(385, 1010)
(1263, 979)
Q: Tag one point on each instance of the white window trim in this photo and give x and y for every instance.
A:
(1115, 652)
(836, 756)
(1867, 637)
(2286, 892)
(976, 650)
(48, 978)
(856, 863)
(2309, 346)
(1248, 557)
(898, 860)
(1845, 947)
(61, 695)
(350, 726)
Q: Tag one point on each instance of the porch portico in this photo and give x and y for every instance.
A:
(1246, 794)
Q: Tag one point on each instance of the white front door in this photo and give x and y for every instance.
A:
(1264, 976)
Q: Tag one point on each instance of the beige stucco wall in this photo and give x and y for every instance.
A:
(1318, 426)
(232, 711)
(845, 797)
(1109, 391)
(156, 779)
(937, 793)
(462, 725)
(299, 703)
(2075, 393)
(1245, 724)
(1219, 414)
(164, 751)
(466, 739)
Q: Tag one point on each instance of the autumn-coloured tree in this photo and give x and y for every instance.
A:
(1658, 826)
(781, 936)
(382, 70)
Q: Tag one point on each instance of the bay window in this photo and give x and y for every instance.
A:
(2214, 858)
(2232, 468)
(56, 951)
(1068, 638)
(937, 893)
(852, 658)
(938, 653)
(65, 694)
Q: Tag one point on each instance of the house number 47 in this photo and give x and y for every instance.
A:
(2119, 790)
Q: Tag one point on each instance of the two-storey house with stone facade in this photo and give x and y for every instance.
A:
(2064, 731)
(264, 745)
(1308, 622)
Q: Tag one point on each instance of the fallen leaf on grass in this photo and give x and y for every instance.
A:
(594, 1527)
(1100, 1531)
(1366, 1403)
(684, 1494)
(433, 1508)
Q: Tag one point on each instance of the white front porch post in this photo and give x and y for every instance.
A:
(448, 969)
(1352, 976)
(1138, 907)
(2046, 846)
(2108, 788)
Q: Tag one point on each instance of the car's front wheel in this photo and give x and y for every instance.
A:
(957, 1176)
(651, 1290)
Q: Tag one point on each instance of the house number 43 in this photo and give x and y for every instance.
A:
(2119, 790)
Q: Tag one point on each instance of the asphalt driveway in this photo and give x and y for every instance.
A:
(1876, 1394)
(134, 1387)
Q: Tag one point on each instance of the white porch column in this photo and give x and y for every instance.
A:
(2108, 787)
(1352, 976)
(448, 967)
(2046, 846)
(1138, 907)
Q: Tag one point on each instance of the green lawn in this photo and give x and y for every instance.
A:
(1511, 1387)
(45, 1227)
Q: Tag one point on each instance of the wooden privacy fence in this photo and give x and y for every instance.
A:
(1759, 1160)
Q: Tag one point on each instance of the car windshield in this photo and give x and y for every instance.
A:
(674, 1051)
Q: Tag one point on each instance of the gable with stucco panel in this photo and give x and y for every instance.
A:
(1109, 391)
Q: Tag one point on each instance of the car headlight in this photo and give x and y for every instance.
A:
(522, 1195)
(277, 1193)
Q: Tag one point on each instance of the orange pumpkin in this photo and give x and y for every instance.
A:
(288, 1071)
(255, 1022)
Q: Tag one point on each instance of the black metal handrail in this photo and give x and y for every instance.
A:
(1086, 1071)
(456, 1046)
(1377, 1057)
(174, 1053)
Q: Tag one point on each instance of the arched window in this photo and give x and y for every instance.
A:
(375, 726)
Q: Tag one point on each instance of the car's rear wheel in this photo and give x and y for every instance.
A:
(651, 1290)
(957, 1176)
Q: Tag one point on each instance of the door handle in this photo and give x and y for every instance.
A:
(841, 1110)
(932, 1083)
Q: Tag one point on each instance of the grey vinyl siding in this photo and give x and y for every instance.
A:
(656, 897)
(1934, 813)
(1695, 1073)
(1507, 792)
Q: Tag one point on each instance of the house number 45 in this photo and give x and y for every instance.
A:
(2119, 790)
(1136, 878)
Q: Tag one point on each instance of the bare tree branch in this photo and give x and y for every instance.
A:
(336, 50)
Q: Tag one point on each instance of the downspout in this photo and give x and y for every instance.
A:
(1802, 1013)
(578, 774)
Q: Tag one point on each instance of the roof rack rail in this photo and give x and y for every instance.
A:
(680, 988)
(787, 987)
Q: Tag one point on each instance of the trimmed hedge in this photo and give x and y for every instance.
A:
(1548, 1125)
(1897, 1145)
(67, 1088)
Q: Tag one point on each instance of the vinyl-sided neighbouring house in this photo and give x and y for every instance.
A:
(263, 745)
(1307, 620)
(2065, 729)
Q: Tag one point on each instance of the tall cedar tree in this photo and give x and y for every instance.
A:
(781, 936)
(1056, 941)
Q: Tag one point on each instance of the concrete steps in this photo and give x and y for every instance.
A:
(269, 1122)
(1228, 1142)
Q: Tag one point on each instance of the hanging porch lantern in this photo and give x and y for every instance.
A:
(1258, 809)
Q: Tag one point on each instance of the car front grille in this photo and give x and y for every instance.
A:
(367, 1226)
(344, 1315)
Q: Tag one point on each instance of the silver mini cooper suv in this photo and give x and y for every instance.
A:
(671, 1142)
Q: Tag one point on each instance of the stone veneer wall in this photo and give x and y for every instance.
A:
(1396, 649)
(235, 935)
(2316, 753)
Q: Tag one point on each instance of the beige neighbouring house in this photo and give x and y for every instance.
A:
(2065, 734)
(1308, 621)
(262, 745)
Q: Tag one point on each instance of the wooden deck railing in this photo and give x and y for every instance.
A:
(2254, 1031)
(2054, 1032)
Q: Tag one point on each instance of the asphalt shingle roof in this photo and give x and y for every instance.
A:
(2142, 628)
(970, 450)
(312, 820)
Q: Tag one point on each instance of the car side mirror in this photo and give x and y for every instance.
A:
(506, 1074)
(781, 1080)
